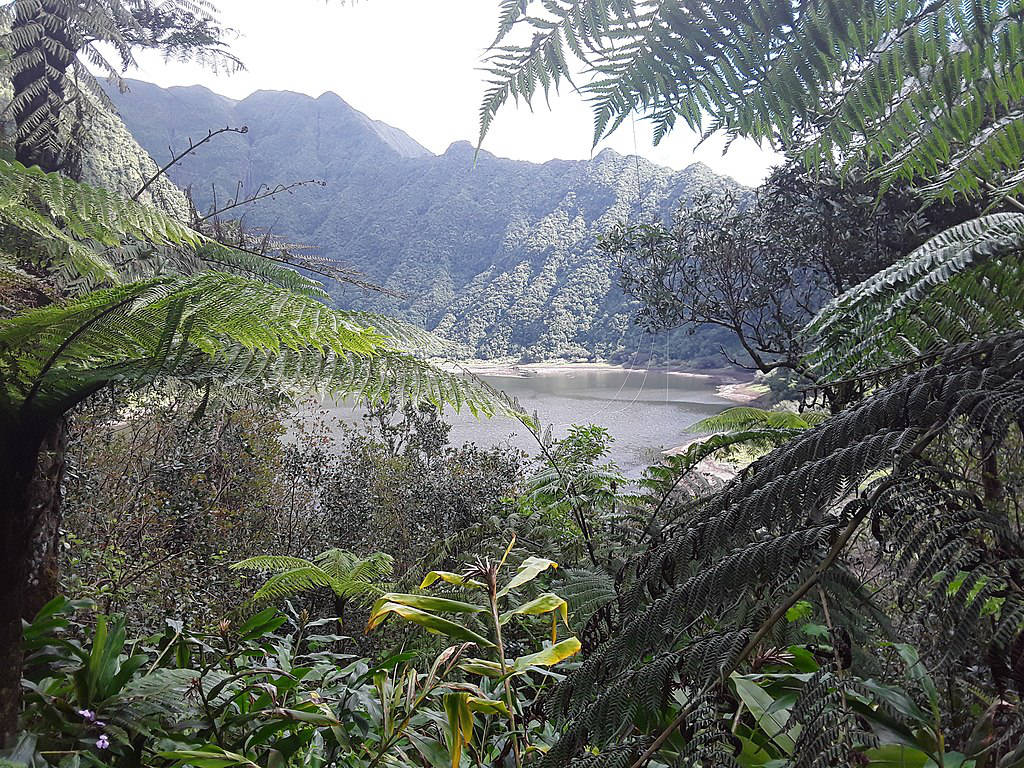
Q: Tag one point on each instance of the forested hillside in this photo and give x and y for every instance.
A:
(497, 254)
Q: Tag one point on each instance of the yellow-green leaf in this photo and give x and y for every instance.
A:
(486, 706)
(428, 621)
(451, 578)
(481, 667)
(546, 603)
(530, 568)
(429, 603)
(550, 655)
(460, 724)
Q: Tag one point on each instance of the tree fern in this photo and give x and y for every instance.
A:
(914, 89)
(747, 417)
(585, 590)
(55, 46)
(705, 598)
(344, 573)
(258, 325)
(963, 284)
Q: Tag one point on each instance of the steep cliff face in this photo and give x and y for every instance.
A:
(495, 253)
(113, 158)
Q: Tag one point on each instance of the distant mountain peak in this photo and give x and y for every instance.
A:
(235, 111)
(496, 254)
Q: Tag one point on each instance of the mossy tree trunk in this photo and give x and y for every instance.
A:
(32, 457)
(33, 449)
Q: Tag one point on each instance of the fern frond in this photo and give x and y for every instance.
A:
(784, 522)
(346, 574)
(963, 284)
(911, 89)
(292, 581)
(585, 591)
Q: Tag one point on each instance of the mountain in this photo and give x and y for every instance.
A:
(497, 254)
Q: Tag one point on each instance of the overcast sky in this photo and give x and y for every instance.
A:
(414, 64)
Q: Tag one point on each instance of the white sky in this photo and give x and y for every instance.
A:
(415, 65)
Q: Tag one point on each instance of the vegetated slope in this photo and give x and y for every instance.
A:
(113, 159)
(494, 253)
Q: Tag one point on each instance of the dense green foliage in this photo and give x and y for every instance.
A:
(102, 290)
(761, 269)
(897, 518)
(495, 254)
(854, 596)
(164, 494)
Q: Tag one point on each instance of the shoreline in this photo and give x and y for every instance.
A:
(522, 370)
(730, 384)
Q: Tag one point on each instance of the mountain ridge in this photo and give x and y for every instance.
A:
(495, 253)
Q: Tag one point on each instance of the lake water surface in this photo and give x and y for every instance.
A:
(645, 411)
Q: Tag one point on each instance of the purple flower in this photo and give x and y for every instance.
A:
(102, 742)
(100, 724)
(87, 714)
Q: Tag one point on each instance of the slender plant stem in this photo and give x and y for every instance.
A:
(181, 155)
(509, 698)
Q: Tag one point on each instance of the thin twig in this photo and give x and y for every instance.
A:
(181, 155)
(263, 192)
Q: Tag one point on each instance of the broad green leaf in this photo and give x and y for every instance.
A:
(799, 610)
(803, 659)
(550, 655)
(771, 716)
(431, 750)
(530, 569)
(546, 603)
(898, 700)
(896, 756)
(482, 667)
(428, 603)
(316, 718)
(918, 672)
(428, 621)
(460, 724)
(486, 706)
(213, 757)
(451, 578)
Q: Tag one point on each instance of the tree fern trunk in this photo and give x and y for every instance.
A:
(32, 454)
(23, 501)
(45, 510)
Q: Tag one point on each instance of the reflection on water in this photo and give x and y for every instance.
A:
(645, 411)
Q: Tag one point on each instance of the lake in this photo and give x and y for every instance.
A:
(645, 411)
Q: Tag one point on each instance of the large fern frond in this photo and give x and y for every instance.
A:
(745, 417)
(963, 284)
(346, 574)
(214, 326)
(88, 237)
(720, 580)
(915, 88)
(257, 324)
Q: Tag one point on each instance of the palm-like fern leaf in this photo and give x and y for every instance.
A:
(255, 325)
(963, 284)
(745, 417)
(585, 591)
(695, 606)
(55, 48)
(88, 236)
(346, 574)
(922, 89)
